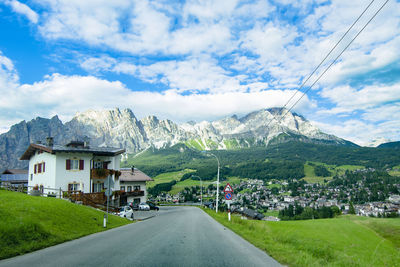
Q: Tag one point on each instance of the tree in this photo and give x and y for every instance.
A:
(351, 209)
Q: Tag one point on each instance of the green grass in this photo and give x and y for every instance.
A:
(180, 186)
(231, 144)
(344, 168)
(168, 177)
(343, 241)
(30, 223)
(187, 183)
(310, 176)
(274, 213)
(196, 144)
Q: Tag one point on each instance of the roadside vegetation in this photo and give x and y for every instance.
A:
(342, 241)
(30, 223)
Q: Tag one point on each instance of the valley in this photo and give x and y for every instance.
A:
(290, 175)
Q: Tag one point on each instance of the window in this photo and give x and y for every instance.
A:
(31, 176)
(98, 187)
(137, 188)
(73, 187)
(98, 165)
(122, 188)
(129, 188)
(39, 168)
(74, 164)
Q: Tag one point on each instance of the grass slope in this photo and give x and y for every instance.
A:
(167, 177)
(30, 223)
(343, 241)
(180, 186)
(310, 176)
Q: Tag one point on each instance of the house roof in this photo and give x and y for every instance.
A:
(99, 151)
(15, 171)
(137, 176)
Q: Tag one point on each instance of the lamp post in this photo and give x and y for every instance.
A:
(216, 206)
(201, 189)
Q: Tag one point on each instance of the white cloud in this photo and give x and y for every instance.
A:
(361, 132)
(23, 9)
(268, 41)
(348, 99)
(65, 95)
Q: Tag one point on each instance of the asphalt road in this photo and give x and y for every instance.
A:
(176, 236)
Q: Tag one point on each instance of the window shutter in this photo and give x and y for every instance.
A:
(68, 164)
(105, 165)
(44, 166)
(35, 168)
(81, 164)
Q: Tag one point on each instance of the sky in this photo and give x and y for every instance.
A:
(203, 60)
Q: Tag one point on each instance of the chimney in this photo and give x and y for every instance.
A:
(86, 144)
(50, 141)
(132, 169)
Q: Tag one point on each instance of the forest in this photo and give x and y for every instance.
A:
(280, 161)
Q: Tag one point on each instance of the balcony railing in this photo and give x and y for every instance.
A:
(135, 193)
(103, 173)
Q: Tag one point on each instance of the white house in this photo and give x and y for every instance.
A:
(75, 166)
(132, 185)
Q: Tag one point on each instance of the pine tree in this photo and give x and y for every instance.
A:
(351, 209)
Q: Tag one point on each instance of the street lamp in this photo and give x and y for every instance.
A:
(201, 189)
(216, 206)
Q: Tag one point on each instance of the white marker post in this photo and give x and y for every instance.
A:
(229, 211)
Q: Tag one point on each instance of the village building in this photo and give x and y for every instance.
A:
(132, 185)
(14, 178)
(76, 166)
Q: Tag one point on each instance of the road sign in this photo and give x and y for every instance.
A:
(228, 188)
(109, 183)
(108, 192)
(228, 196)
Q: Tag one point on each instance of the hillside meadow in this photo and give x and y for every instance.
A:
(30, 223)
(342, 241)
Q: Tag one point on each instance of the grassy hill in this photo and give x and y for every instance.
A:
(343, 241)
(30, 223)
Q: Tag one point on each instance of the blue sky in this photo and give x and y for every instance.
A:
(201, 60)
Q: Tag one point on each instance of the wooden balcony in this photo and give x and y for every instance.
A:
(103, 173)
(135, 193)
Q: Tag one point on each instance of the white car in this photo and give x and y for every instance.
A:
(126, 212)
(144, 206)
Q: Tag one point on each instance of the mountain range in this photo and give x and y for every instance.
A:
(121, 128)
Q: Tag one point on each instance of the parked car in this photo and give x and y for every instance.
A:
(134, 206)
(126, 212)
(144, 206)
(153, 206)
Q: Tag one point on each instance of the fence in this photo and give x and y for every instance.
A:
(96, 200)
(35, 191)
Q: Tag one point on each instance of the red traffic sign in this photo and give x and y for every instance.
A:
(228, 196)
(228, 188)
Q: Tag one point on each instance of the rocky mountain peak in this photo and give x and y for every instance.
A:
(120, 128)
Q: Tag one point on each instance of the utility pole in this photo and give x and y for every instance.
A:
(201, 189)
(216, 202)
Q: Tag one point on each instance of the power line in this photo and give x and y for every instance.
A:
(333, 48)
(308, 89)
(312, 73)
